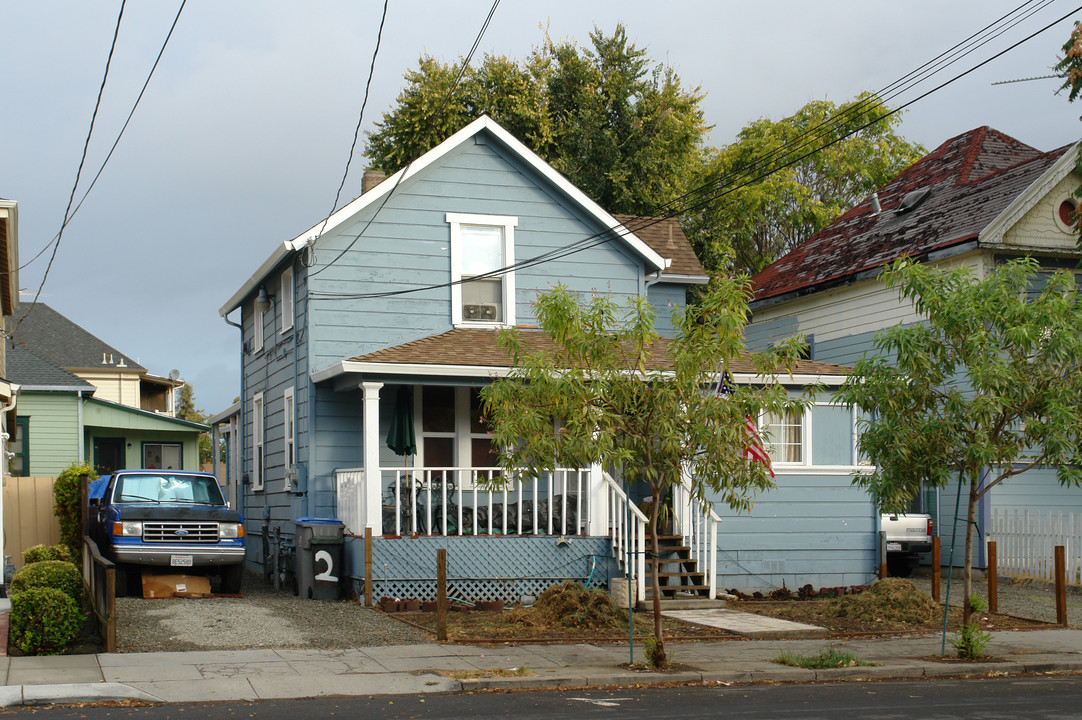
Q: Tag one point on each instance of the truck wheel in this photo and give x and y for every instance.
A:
(231, 579)
(899, 566)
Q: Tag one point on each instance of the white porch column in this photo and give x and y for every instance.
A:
(597, 504)
(373, 491)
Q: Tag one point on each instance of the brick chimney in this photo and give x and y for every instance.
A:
(370, 179)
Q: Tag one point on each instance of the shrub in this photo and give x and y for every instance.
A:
(44, 621)
(67, 504)
(56, 574)
(971, 640)
(38, 553)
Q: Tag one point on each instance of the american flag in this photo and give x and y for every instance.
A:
(754, 450)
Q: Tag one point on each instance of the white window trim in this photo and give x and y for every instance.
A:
(289, 432)
(508, 224)
(258, 429)
(259, 320)
(286, 300)
(805, 442)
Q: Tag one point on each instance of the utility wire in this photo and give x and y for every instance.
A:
(78, 172)
(699, 197)
(405, 170)
(115, 142)
(360, 118)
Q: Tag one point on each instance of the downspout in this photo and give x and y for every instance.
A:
(296, 402)
(80, 440)
(4, 437)
(238, 481)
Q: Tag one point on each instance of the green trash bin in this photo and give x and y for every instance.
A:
(319, 557)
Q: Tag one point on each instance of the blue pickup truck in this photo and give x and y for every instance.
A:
(166, 519)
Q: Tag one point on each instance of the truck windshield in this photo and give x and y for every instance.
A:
(166, 488)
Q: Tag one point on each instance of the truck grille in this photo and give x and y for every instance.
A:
(184, 532)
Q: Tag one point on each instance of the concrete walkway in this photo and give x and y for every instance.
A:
(413, 669)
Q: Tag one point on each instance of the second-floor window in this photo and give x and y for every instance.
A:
(482, 246)
(286, 300)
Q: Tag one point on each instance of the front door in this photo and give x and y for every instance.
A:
(108, 455)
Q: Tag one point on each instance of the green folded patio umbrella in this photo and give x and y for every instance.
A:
(400, 436)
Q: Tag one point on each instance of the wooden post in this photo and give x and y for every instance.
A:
(441, 595)
(1061, 586)
(882, 554)
(993, 578)
(368, 567)
(110, 606)
(937, 569)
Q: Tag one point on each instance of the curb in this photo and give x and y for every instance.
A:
(67, 693)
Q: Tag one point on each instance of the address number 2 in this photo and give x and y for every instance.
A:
(324, 556)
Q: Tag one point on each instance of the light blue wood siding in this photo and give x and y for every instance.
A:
(407, 246)
(831, 435)
(845, 350)
(759, 336)
(815, 529)
(1038, 491)
(666, 300)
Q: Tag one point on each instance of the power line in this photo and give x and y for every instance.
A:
(116, 141)
(405, 171)
(360, 118)
(754, 172)
(78, 172)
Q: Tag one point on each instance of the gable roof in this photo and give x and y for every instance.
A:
(476, 352)
(32, 373)
(376, 194)
(972, 178)
(56, 339)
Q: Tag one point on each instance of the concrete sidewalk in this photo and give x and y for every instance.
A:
(276, 674)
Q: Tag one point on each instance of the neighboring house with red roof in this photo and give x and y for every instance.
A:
(977, 200)
(376, 330)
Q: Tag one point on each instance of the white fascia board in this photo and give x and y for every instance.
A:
(575, 194)
(224, 415)
(674, 279)
(347, 367)
(257, 277)
(993, 232)
(786, 379)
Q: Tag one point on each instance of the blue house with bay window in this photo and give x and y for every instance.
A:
(386, 317)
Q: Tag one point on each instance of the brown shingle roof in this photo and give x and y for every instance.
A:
(666, 237)
(479, 347)
(972, 178)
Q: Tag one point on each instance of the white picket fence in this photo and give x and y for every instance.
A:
(1025, 543)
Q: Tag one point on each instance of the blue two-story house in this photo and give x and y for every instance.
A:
(366, 339)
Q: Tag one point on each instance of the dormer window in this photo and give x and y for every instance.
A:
(481, 247)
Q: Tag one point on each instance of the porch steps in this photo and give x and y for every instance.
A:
(682, 585)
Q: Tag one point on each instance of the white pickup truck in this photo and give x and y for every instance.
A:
(908, 536)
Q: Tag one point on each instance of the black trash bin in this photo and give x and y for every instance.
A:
(319, 557)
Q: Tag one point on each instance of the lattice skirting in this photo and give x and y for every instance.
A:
(481, 568)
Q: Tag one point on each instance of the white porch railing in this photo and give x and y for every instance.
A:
(628, 531)
(1025, 543)
(698, 523)
(454, 501)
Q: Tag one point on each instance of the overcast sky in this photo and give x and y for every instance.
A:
(243, 134)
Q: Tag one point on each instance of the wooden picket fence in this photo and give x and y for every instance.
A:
(1025, 543)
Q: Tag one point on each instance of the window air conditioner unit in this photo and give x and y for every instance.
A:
(471, 312)
(488, 312)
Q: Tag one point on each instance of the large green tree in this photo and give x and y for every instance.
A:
(186, 410)
(1070, 66)
(632, 402)
(986, 388)
(782, 181)
(620, 126)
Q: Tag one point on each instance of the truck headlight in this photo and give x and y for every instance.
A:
(128, 528)
(231, 531)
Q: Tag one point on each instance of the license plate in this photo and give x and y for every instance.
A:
(180, 560)
(892, 547)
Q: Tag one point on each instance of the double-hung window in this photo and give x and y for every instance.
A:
(285, 300)
(289, 429)
(257, 441)
(482, 246)
(785, 436)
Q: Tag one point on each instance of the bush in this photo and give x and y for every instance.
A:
(39, 553)
(44, 621)
(56, 574)
(67, 504)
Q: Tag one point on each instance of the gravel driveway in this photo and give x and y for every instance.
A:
(1034, 600)
(263, 618)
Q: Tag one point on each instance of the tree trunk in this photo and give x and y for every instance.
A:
(967, 567)
(658, 660)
